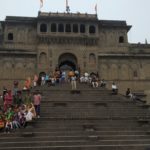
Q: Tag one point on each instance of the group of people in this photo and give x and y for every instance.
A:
(50, 80)
(93, 80)
(132, 95)
(62, 76)
(19, 107)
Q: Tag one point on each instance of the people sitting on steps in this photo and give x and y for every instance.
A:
(133, 96)
(94, 82)
(128, 93)
(102, 83)
(16, 114)
(114, 89)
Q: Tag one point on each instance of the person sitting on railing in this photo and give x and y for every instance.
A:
(136, 98)
(129, 94)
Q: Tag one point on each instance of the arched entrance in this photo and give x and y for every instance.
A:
(67, 61)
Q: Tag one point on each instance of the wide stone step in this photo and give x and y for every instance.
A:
(75, 143)
(84, 147)
(135, 126)
(100, 122)
(90, 119)
(101, 127)
(88, 98)
(82, 107)
(15, 138)
(67, 86)
(84, 131)
(77, 133)
(45, 132)
(87, 114)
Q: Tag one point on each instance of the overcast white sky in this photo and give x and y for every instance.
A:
(135, 12)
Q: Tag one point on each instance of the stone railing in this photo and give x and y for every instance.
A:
(68, 15)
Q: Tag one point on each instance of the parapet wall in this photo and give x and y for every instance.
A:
(68, 15)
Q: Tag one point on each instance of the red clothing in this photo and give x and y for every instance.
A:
(37, 99)
(8, 98)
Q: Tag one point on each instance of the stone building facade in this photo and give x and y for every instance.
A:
(31, 45)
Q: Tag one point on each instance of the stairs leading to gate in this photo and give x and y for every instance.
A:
(89, 119)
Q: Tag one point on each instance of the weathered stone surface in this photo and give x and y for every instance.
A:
(30, 45)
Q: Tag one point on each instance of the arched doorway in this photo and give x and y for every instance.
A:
(67, 61)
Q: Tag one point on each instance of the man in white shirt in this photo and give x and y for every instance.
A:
(114, 88)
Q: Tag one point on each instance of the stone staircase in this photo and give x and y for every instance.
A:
(89, 119)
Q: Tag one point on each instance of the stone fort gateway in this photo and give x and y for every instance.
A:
(33, 45)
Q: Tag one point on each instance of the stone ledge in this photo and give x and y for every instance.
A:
(27, 134)
(75, 92)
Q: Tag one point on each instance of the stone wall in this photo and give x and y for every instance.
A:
(27, 48)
